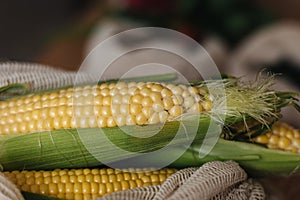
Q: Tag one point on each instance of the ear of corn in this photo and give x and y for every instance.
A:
(281, 136)
(53, 117)
(79, 184)
(105, 105)
(45, 125)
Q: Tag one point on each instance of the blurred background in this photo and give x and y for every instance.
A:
(241, 36)
(57, 32)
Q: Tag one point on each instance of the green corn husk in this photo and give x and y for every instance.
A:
(65, 149)
(249, 112)
(256, 160)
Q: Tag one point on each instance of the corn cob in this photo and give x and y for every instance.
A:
(53, 117)
(281, 136)
(85, 184)
(104, 105)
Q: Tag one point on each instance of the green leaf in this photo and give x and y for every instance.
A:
(33, 196)
(13, 89)
(152, 78)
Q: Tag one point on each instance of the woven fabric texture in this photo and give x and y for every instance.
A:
(214, 180)
(9, 191)
(38, 76)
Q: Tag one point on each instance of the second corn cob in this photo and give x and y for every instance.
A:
(85, 184)
(281, 136)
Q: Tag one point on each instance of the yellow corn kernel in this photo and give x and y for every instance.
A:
(282, 137)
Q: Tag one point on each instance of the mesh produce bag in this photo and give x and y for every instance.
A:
(38, 76)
